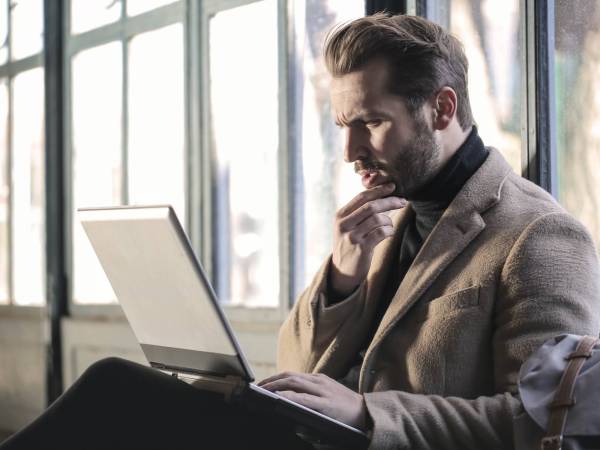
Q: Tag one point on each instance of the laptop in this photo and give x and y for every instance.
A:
(177, 319)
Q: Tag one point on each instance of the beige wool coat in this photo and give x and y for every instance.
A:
(503, 270)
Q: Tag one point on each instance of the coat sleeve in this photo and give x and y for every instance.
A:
(549, 284)
(316, 329)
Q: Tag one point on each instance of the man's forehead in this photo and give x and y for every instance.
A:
(369, 80)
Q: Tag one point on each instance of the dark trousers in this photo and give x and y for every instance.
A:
(117, 404)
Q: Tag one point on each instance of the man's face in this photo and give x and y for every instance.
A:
(383, 139)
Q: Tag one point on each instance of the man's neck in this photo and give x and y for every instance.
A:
(464, 161)
(451, 139)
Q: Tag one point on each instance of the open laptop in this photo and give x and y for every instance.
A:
(176, 318)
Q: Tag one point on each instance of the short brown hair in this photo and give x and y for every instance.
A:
(422, 56)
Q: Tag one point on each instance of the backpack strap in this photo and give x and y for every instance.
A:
(564, 398)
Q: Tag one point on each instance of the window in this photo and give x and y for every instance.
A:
(127, 117)
(244, 118)
(4, 195)
(491, 34)
(22, 213)
(577, 64)
(27, 189)
(97, 165)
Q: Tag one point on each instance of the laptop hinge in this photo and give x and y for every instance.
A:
(231, 386)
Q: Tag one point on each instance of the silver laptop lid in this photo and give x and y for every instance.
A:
(163, 290)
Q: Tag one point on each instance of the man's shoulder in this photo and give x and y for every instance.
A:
(523, 194)
(519, 203)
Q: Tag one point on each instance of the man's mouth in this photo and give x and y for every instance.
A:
(371, 178)
(370, 173)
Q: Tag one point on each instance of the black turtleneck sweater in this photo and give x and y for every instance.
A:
(429, 205)
(432, 200)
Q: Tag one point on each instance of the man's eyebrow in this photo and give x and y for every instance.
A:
(359, 119)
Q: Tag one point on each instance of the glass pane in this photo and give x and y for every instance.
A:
(577, 64)
(27, 25)
(490, 33)
(28, 224)
(97, 171)
(156, 166)
(244, 117)
(3, 31)
(4, 193)
(140, 6)
(89, 14)
(328, 182)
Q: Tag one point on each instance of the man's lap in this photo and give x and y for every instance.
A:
(121, 404)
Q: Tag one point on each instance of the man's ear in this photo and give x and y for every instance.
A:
(444, 106)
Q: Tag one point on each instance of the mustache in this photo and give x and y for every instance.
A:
(367, 164)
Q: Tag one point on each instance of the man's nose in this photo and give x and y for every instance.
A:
(354, 148)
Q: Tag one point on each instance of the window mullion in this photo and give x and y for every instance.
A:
(289, 154)
(541, 157)
(124, 108)
(56, 212)
(391, 6)
(9, 163)
(193, 120)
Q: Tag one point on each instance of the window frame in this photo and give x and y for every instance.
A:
(286, 210)
(538, 138)
(122, 31)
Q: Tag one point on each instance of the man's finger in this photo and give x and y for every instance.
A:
(277, 376)
(296, 384)
(375, 236)
(365, 196)
(308, 400)
(369, 209)
(287, 374)
(371, 222)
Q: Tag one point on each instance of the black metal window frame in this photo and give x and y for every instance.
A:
(390, 6)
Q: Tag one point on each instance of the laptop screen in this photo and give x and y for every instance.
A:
(161, 287)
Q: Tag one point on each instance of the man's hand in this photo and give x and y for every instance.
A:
(359, 227)
(321, 393)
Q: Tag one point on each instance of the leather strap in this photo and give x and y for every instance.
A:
(564, 398)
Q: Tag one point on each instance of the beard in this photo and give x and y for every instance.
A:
(414, 163)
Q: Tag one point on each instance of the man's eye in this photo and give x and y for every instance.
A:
(373, 123)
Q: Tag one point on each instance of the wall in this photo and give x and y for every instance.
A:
(22, 369)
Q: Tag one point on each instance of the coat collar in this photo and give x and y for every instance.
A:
(458, 226)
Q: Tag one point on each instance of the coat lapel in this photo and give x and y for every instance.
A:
(459, 225)
(383, 257)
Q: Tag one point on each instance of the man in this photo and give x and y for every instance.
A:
(424, 316)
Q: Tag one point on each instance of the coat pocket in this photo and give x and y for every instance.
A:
(447, 304)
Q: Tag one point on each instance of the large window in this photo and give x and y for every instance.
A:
(221, 108)
(577, 59)
(244, 127)
(127, 121)
(22, 223)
